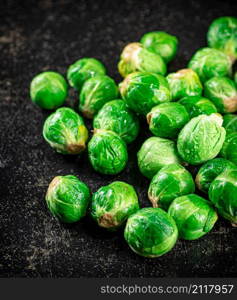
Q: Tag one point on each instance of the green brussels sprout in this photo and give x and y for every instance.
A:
(222, 35)
(223, 194)
(193, 215)
(161, 43)
(183, 83)
(107, 152)
(65, 131)
(198, 105)
(229, 149)
(151, 232)
(113, 204)
(169, 183)
(223, 93)
(142, 91)
(95, 92)
(167, 119)
(230, 122)
(209, 62)
(116, 116)
(210, 170)
(82, 70)
(48, 90)
(135, 57)
(154, 154)
(67, 198)
(201, 139)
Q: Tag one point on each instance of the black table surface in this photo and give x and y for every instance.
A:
(50, 35)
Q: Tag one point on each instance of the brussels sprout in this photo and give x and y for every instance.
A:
(67, 198)
(210, 170)
(223, 194)
(156, 153)
(135, 57)
(208, 63)
(107, 152)
(197, 105)
(161, 43)
(48, 90)
(95, 92)
(113, 204)
(82, 70)
(229, 149)
(151, 232)
(183, 83)
(142, 91)
(167, 119)
(193, 215)
(230, 122)
(117, 117)
(65, 131)
(169, 183)
(201, 139)
(222, 35)
(222, 92)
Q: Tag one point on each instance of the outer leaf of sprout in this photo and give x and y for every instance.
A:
(65, 131)
(156, 153)
(151, 232)
(169, 183)
(67, 198)
(113, 204)
(116, 116)
(107, 152)
(222, 194)
(135, 57)
(193, 215)
(161, 43)
(141, 91)
(223, 93)
(183, 83)
(201, 139)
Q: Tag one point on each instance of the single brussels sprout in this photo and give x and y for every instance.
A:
(229, 149)
(142, 91)
(67, 198)
(223, 93)
(95, 92)
(193, 215)
(48, 90)
(65, 131)
(107, 152)
(151, 232)
(209, 62)
(197, 105)
(161, 43)
(210, 170)
(82, 70)
(155, 153)
(116, 116)
(183, 83)
(135, 57)
(230, 122)
(167, 119)
(113, 204)
(169, 183)
(223, 194)
(201, 139)
(222, 35)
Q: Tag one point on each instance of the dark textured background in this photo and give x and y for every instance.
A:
(51, 35)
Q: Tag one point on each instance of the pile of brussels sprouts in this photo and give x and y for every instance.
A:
(190, 114)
